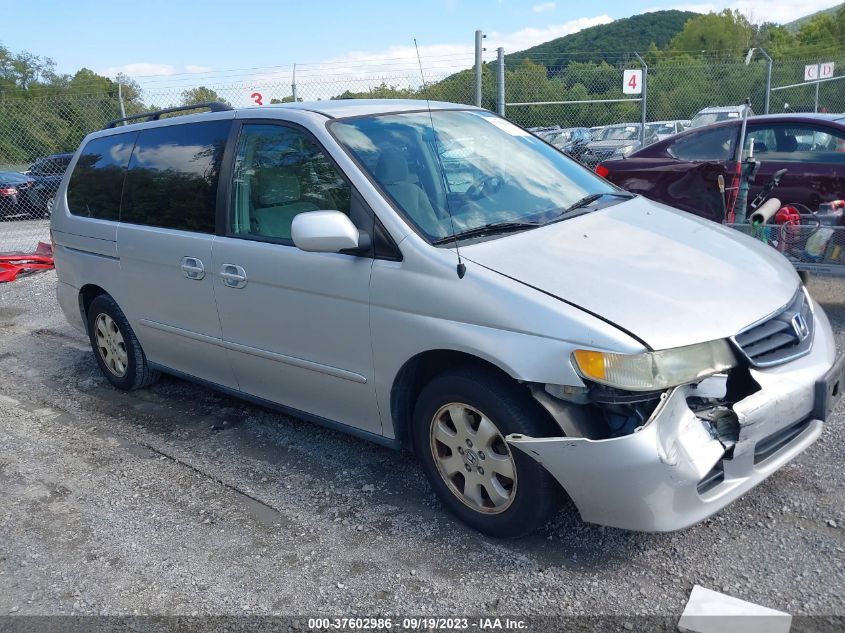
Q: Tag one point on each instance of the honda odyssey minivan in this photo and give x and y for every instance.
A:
(435, 278)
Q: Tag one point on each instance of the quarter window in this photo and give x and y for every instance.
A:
(173, 175)
(97, 180)
(712, 144)
(798, 143)
(280, 172)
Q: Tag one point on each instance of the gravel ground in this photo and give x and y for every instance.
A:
(178, 500)
(23, 235)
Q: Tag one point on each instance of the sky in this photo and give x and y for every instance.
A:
(166, 45)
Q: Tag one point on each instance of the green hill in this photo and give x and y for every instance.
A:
(593, 44)
(795, 25)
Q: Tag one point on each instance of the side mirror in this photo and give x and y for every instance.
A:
(327, 232)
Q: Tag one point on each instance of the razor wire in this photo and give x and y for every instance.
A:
(35, 131)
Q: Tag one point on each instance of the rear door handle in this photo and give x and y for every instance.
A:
(232, 276)
(193, 268)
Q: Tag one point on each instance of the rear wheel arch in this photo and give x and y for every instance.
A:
(87, 294)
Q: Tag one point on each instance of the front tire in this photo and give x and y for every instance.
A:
(461, 420)
(116, 348)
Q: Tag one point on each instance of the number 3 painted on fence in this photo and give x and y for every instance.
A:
(256, 96)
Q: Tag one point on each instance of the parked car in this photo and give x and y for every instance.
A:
(545, 133)
(47, 172)
(573, 142)
(614, 141)
(682, 170)
(14, 196)
(665, 129)
(538, 330)
(708, 116)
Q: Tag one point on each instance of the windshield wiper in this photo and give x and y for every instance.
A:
(586, 201)
(486, 229)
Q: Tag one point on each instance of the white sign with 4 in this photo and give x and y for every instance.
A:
(632, 82)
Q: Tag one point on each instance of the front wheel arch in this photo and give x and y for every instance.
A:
(417, 372)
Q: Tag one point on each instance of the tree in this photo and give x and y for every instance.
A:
(722, 34)
(201, 94)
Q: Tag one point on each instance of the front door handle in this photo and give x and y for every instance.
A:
(232, 276)
(193, 268)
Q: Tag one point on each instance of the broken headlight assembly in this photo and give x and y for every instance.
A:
(652, 371)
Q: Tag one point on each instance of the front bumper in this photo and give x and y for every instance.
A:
(672, 473)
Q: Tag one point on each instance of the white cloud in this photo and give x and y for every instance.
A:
(139, 69)
(758, 10)
(146, 69)
(543, 7)
(356, 70)
(526, 38)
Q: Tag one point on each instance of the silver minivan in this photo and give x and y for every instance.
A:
(435, 278)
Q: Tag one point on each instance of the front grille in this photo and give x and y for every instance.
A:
(781, 338)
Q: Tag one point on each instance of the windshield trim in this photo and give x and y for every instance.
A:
(330, 123)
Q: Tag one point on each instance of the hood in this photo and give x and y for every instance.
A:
(14, 178)
(665, 276)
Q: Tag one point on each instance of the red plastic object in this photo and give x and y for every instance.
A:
(14, 264)
(602, 171)
(789, 218)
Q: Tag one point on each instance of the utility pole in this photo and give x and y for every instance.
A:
(479, 36)
(500, 81)
(293, 84)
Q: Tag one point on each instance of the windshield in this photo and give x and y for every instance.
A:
(617, 133)
(661, 128)
(481, 168)
(707, 118)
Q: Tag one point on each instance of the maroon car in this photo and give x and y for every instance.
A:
(682, 170)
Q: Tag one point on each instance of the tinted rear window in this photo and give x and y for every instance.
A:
(173, 175)
(97, 180)
(715, 144)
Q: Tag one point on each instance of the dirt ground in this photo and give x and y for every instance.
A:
(179, 500)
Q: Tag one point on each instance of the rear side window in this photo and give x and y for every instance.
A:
(173, 175)
(712, 144)
(97, 180)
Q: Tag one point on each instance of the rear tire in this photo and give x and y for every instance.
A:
(460, 421)
(116, 348)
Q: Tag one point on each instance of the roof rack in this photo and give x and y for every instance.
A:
(155, 115)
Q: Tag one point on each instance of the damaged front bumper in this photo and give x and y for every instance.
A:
(674, 471)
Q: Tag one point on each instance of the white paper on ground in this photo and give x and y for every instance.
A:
(713, 612)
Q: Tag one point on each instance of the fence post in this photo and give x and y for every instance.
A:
(768, 79)
(816, 107)
(293, 84)
(500, 81)
(478, 37)
(120, 97)
(644, 99)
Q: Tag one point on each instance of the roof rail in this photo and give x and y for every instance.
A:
(155, 115)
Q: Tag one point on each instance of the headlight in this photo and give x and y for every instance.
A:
(624, 151)
(655, 370)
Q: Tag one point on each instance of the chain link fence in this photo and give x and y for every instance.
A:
(37, 134)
